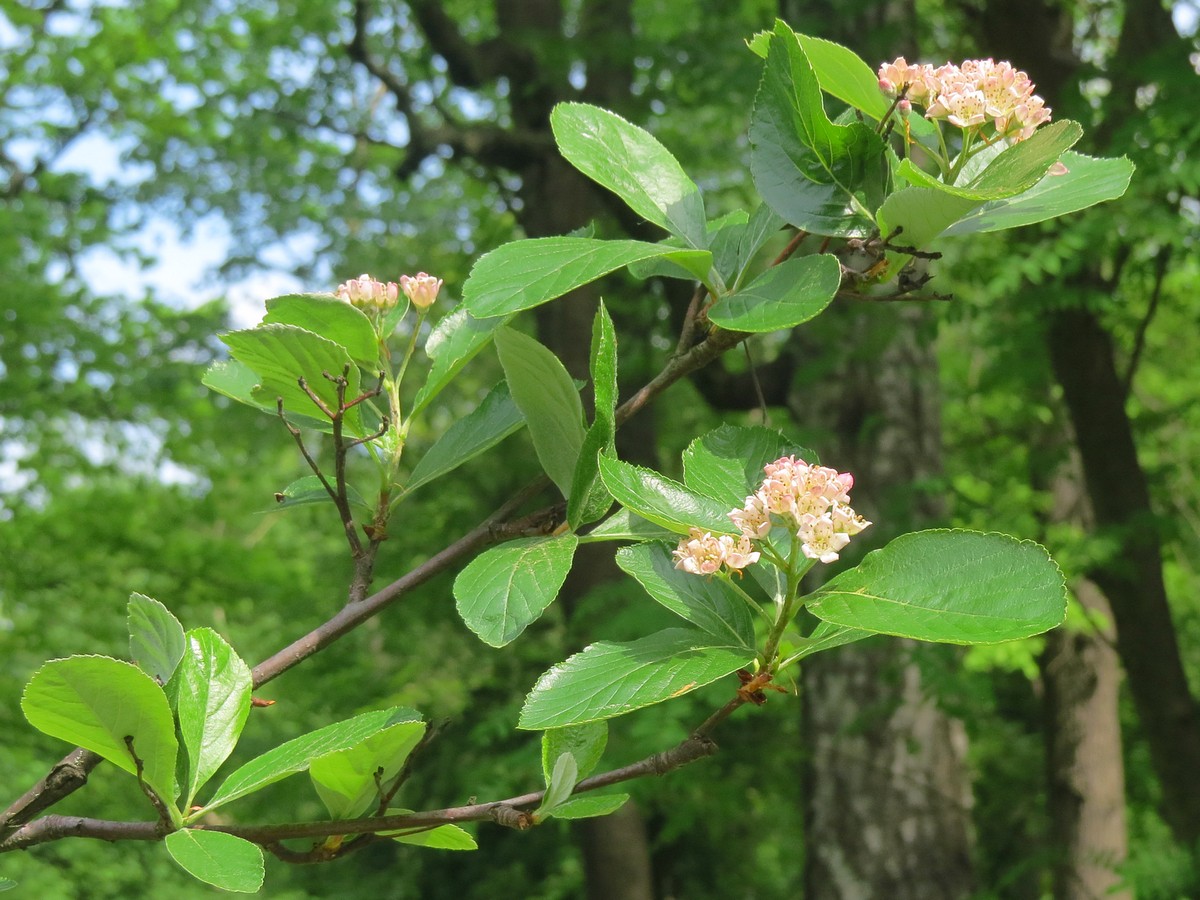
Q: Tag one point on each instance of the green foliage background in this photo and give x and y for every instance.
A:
(124, 474)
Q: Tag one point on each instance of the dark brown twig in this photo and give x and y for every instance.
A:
(1161, 261)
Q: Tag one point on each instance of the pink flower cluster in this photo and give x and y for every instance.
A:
(368, 294)
(813, 502)
(969, 96)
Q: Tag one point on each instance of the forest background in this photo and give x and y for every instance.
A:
(1054, 398)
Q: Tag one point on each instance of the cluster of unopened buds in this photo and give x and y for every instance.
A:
(370, 295)
(812, 502)
(970, 96)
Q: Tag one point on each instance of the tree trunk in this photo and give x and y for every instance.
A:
(1085, 773)
(1082, 354)
(616, 856)
(888, 797)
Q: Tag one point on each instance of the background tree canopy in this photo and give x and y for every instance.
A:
(1053, 398)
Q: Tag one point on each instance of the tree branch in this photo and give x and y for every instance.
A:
(696, 746)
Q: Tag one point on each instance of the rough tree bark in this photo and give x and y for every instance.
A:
(888, 796)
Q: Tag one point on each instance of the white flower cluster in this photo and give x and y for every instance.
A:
(978, 92)
(813, 502)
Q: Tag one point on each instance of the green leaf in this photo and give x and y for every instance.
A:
(590, 806)
(506, 588)
(783, 296)
(525, 274)
(727, 462)
(332, 319)
(347, 780)
(925, 211)
(96, 702)
(584, 742)
(842, 74)
(224, 860)
(624, 525)
(922, 213)
(558, 788)
(307, 490)
(443, 837)
(609, 679)
(1087, 182)
(282, 354)
(451, 345)
(826, 636)
(763, 225)
(212, 700)
(239, 382)
(822, 177)
(603, 365)
(296, 755)
(549, 400)
(631, 163)
(156, 642)
(488, 424)
(663, 501)
(1010, 172)
(958, 587)
(589, 499)
(708, 603)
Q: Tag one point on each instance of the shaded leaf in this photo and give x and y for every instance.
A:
(783, 296)
(584, 742)
(219, 859)
(494, 419)
(307, 490)
(156, 642)
(624, 525)
(506, 588)
(589, 806)
(727, 462)
(450, 346)
(549, 401)
(708, 603)
(663, 501)
(958, 587)
(610, 679)
(822, 177)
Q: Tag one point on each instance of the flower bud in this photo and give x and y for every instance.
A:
(421, 289)
(368, 294)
